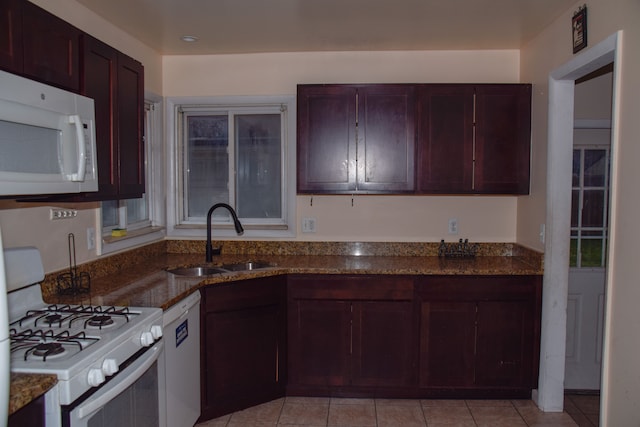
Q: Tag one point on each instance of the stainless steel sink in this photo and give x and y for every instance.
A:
(197, 271)
(246, 266)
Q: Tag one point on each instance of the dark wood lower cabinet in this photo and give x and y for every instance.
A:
(505, 336)
(447, 343)
(382, 344)
(243, 345)
(369, 336)
(350, 334)
(479, 336)
(31, 415)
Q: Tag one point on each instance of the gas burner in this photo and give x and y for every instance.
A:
(46, 344)
(46, 349)
(99, 321)
(52, 318)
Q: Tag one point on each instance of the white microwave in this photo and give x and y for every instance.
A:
(47, 139)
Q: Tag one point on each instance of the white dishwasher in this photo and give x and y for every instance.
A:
(182, 361)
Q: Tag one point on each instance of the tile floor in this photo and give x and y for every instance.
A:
(583, 408)
(328, 412)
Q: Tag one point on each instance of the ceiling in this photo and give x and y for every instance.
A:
(248, 26)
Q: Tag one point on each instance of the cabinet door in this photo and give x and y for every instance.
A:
(32, 414)
(326, 138)
(445, 139)
(505, 350)
(319, 342)
(383, 351)
(99, 81)
(242, 345)
(11, 36)
(241, 357)
(116, 83)
(447, 343)
(51, 48)
(503, 138)
(130, 107)
(386, 138)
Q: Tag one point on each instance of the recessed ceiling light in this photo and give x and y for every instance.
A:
(189, 39)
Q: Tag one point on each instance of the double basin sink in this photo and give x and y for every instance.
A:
(200, 271)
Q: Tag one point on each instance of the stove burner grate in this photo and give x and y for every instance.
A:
(65, 316)
(99, 321)
(47, 349)
(45, 343)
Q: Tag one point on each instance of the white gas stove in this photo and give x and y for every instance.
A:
(85, 346)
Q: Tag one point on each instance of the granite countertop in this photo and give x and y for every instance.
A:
(24, 388)
(149, 285)
(139, 277)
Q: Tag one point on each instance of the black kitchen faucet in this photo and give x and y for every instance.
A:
(236, 222)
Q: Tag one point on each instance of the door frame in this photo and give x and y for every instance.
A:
(550, 393)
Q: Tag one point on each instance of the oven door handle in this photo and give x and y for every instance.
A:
(94, 405)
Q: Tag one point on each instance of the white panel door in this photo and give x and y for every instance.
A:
(588, 259)
(585, 316)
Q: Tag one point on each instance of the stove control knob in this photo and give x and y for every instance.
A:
(146, 339)
(109, 367)
(95, 377)
(156, 331)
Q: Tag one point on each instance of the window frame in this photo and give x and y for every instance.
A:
(579, 229)
(178, 228)
(152, 229)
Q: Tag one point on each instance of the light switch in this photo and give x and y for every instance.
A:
(308, 225)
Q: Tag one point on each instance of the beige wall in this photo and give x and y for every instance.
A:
(551, 49)
(396, 218)
(278, 73)
(370, 218)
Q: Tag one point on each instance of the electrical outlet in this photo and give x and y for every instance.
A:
(453, 226)
(542, 233)
(91, 238)
(308, 225)
(56, 213)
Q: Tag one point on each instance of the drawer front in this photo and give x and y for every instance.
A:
(351, 287)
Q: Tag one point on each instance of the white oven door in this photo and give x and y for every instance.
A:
(131, 398)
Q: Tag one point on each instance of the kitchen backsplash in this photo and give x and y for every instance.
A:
(111, 265)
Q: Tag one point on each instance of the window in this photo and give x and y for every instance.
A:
(589, 207)
(139, 216)
(234, 151)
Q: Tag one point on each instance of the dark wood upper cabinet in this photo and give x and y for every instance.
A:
(116, 83)
(356, 138)
(100, 69)
(130, 127)
(386, 138)
(445, 138)
(503, 138)
(38, 45)
(326, 138)
(11, 35)
(414, 138)
(51, 48)
(474, 138)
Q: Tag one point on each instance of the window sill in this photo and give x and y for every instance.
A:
(227, 231)
(133, 238)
